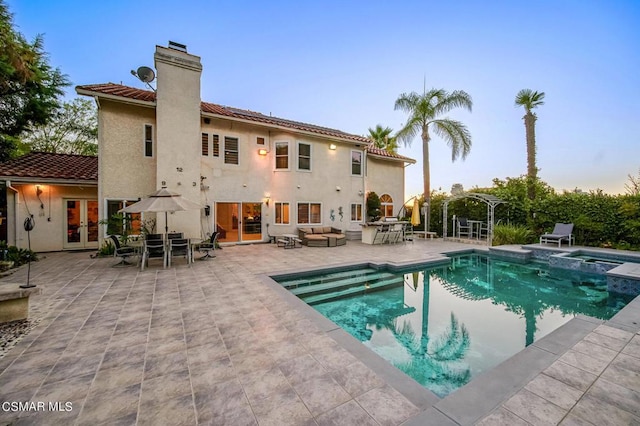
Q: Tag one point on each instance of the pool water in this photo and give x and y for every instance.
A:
(444, 325)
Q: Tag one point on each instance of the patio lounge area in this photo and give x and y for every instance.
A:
(220, 343)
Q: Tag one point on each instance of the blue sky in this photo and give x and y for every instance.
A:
(343, 64)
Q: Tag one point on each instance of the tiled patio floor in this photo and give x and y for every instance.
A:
(217, 343)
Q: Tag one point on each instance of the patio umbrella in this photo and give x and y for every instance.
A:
(162, 200)
(415, 213)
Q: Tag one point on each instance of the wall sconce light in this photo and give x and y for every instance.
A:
(338, 188)
(360, 192)
(332, 147)
(266, 200)
(262, 152)
(38, 190)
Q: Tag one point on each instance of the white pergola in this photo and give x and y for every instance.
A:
(490, 200)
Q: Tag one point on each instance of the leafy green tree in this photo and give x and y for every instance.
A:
(424, 113)
(381, 137)
(530, 99)
(373, 206)
(29, 86)
(73, 129)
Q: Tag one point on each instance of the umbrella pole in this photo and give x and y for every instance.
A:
(166, 223)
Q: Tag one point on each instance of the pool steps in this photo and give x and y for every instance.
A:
(334, 286)
(356, 289)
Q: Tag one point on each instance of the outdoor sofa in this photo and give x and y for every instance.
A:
(322, 236)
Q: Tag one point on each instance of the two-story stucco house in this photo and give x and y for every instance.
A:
(254, 175)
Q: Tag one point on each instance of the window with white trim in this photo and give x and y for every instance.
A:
(356, 212)
(309, 213)
(282, 155)
(148, 140)
(304, 156)
(386, 204)
(216, 145)
(282, 213)
(230, 150)
(356, 163)
(205, 144)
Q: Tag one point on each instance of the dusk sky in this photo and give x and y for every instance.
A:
(342, 64)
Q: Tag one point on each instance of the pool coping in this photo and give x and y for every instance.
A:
(485, 392)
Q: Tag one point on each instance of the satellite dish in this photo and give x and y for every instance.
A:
(146, 74)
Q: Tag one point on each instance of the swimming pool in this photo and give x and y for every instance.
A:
(444, 325)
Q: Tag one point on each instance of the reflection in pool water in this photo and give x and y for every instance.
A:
(444, 325)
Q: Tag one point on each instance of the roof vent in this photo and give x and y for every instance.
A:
(177, 46)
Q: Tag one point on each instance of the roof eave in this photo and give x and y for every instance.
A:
(116, 98)
(50, 181)
(383, 157)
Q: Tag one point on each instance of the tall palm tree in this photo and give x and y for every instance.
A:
(381, 137)
(530, 99)
(424, 112)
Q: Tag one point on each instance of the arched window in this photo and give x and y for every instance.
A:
(386, 203)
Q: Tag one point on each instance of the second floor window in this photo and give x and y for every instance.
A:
(230, 150)
(216, 145)
(205, 144)
(148, 140)
(304, 156)
(282, 155)
(356, 163)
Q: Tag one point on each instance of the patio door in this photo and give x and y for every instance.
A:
(80, 224)
(237, 222)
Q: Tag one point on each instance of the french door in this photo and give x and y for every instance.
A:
(80, 224)
(237, 222)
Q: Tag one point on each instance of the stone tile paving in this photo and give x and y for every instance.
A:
(211, 343)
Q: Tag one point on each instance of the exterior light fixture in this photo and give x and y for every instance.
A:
(262, 152)
(332, 147)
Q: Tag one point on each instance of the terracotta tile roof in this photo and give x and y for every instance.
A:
(120, 91)
(44, 165)
(241, 114)
(378, 152)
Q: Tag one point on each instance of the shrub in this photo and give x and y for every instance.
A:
(511, 234)
(17, 255)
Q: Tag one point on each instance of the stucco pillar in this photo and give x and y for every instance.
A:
(178, 132)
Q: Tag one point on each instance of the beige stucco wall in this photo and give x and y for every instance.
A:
(124, 171)
(178, 132)
(255, 177)
(386, 177)
(48, 233)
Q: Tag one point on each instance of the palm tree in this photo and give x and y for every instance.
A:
(381, 137)
(424, 111)
(530, 100)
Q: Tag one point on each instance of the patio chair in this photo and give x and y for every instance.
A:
(179, 247)
(408, 234)
(561, 232)
(174, 235)
(208, 247)
(464, 228)
(122, 252)
(153, 249)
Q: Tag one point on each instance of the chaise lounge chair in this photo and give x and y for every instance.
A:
(561, 232)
